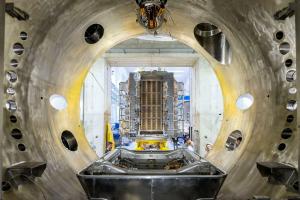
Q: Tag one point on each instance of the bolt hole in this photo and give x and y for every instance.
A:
(14, 63)
(93, 33)
(288, 62)
(11, 76)
(286, 133)
(291, 75)
(23, 35)
(281, 146)
(16, 133)
(279, 35)
(11, 105)
(284, 48)
(292, 90)
(5, 186)
(18, 48)
(69, 140)
(291, 105)
(290, 118)
(21, 147)
(10, 91)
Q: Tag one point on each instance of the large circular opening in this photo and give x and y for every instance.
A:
(129, 90)
(240, 57)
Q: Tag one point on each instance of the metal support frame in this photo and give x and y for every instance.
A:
(2, 31)
(297, 9)
(152, 175)
(280, 174)
(23, 172)
(15, 12)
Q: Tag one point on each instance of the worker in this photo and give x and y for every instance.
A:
(110, 143)
(208, 147)
(190, 145)
(238, 142)
(109, 147)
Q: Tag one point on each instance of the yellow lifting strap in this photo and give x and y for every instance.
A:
(109, 136)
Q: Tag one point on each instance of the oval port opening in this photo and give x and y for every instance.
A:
(58, 102)
(93, 33)
(244, 101)
(214, 41)
(69, 141)
(234, 140)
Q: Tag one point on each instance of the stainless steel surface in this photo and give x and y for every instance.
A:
(2, 31)
(24, 172)
(153, 101)
(297, 22)
(280, 174)
(151, 114)
(127, 175)
(214, 41)
(56, 59)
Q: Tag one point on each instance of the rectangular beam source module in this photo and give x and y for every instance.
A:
(150, 104)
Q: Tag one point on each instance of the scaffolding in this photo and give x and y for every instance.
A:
(124, 114)
(179, 116)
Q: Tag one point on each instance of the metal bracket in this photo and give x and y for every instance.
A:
(19, 173)
(15, 12)
(286, 12)
(280, 174)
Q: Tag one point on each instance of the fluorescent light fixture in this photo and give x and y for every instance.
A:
(161, 38)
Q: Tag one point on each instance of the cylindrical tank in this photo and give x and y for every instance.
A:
(56, 58)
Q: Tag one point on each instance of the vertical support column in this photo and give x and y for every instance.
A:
(297, 10)
(2, 30)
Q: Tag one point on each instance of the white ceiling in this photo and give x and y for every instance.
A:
(151, 60)
(148, 53)
(181, 74)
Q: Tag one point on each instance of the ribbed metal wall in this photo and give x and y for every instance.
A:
(151, 105)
